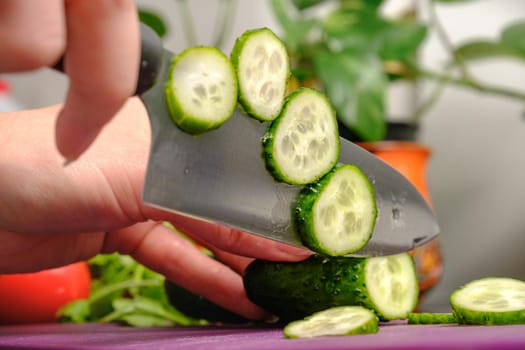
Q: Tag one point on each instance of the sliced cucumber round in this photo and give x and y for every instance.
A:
(302, 143)
(293, 290)
(336, 215)
(392, 285)
(263, 68)
(490, 301)
(341, 320)
(201, 90)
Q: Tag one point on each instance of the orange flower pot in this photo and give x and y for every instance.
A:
(410, 159)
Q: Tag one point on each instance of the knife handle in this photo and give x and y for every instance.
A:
(150, 59)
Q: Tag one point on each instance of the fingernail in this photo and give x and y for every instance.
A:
(295, 252)
(68, 161)
(271, 319)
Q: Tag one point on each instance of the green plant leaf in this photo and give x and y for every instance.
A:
(478, 50)
(356, 29)
(144, 320)
(124, 291)
(452, 1)
(304, 4)
(514, 36)
(296, 29)
(355, 84)
(154, 21)
(77, 311)
(401, 39)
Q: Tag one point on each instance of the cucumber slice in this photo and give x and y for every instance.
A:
(490, 301)
(263, 68)
(431, 318)
(336, 215)
(293, 290)
(392, 285)
(201, 90)
(302, 143)
(342, 320)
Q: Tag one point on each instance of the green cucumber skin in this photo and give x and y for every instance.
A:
(197, 307)
(268, 144)
(188, 123)
(234, 58)
(484, 318)
(294, 290)
(304, 217)
(431, 318)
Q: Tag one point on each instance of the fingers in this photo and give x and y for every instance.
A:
(101, 60)
(236, 262)
(32, 34)
(168, 253)
(231, 240)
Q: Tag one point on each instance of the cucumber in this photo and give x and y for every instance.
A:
(336, 215)
(293, 290)
(197, 307)
(302, 143)
(263, 68)
(431, 318)
(342, 320)
(201, 89)
(490, 301)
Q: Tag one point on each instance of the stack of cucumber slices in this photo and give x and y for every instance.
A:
(336, 211)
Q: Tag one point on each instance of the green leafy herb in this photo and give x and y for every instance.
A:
(125, 291)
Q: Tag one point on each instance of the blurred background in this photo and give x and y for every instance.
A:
(476, 171)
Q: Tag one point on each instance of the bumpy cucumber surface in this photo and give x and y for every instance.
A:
(263, 68)
(195, 306)
(431, 318)
(490, 301)
(201, 90)
(294, 290)
(336, 215)
(302, 143)
(342, 320)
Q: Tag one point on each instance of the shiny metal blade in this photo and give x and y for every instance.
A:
(220, 177)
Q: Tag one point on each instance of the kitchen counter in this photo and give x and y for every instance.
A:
(390, 336)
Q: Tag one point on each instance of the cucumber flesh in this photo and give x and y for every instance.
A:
(431, 318)
(336, 215)
(262, 66)
(392, 285)
(490, 301)
(342, 320)
(302, 143)
(201, 90)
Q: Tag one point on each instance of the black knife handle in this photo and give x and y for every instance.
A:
(151, 53)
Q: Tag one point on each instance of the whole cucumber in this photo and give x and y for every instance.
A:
(294, 290)
(195, 306)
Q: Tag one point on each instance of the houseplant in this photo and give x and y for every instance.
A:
(357, 54)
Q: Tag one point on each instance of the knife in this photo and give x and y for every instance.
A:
(220, 176)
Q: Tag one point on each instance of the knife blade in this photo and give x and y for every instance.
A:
(220, 176)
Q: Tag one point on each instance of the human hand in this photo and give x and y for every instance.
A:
(100, 40)
(52, 215)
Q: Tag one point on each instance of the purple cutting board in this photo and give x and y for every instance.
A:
(391, 336)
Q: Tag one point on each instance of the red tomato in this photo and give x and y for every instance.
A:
(36, 297)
